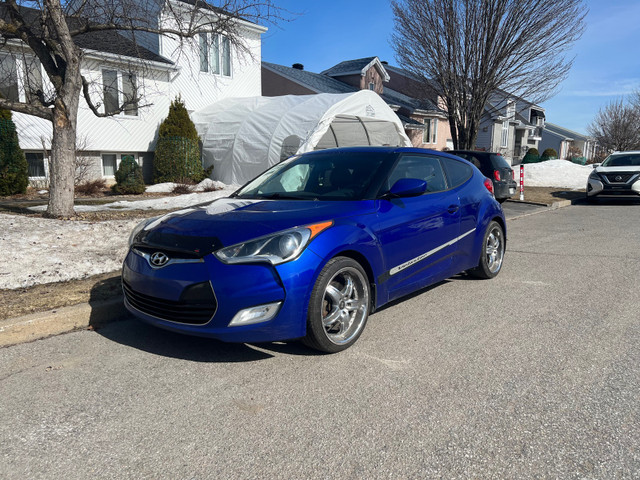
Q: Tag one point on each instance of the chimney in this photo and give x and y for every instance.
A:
(298, 66)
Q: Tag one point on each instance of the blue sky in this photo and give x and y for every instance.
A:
(606, 67)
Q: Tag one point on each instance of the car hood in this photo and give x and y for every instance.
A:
(228, 221)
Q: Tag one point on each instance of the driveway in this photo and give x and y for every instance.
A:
(533, 374)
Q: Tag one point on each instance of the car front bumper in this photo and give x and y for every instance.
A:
(202, 298)
(598, 187)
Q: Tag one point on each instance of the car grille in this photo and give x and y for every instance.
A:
(196, 306)
(618, 177)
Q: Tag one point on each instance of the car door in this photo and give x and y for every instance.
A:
(417, 234)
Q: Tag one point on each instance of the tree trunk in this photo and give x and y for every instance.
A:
(63, 146)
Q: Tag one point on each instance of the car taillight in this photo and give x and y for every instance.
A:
(496, 175)
(513, 175)
(489, 185)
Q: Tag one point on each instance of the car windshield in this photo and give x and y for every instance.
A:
(318, 176)
(631, 160)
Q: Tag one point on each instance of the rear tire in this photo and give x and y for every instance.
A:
(339, 306)
(492, 255)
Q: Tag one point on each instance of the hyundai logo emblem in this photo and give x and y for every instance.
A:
(158, 259)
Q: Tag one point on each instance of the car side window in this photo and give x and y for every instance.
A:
(457, 172)
(422, 167)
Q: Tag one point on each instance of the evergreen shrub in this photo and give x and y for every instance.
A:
(14, 170)
(532, 156)
(177, 154)
(549, 154)
(129, 178)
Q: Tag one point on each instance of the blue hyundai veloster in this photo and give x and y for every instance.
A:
(315, 244)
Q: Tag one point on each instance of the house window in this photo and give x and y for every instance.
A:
(204, 53)
(114, 97)
(505, 134)
(111, 162)
(36, 164)
(511, 109)
(372, 86)
(130, 93)
(32, 79)
(9, 78)
(110, 91)
(226, 56)
(215, 54)
(430, 134)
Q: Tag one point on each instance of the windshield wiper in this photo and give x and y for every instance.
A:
(281, 196)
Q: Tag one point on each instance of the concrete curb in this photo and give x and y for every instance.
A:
(87, 315)
(60, 320)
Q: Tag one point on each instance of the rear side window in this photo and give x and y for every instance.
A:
(425, 168)
(457, 172)
(499, 162)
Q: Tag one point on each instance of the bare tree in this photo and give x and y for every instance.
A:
(50, 32)
(465, 50)
(617, 125)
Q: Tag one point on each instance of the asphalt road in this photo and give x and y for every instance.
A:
(535, 374)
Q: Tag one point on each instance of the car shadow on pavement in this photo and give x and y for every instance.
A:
(608, 201)
(111, 320)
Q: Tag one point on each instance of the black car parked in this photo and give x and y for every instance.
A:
(494, 167)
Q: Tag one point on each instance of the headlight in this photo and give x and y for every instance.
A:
(594, 176)
(276, 248)
(138, 228)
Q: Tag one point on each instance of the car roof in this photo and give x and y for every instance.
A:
(380, 149)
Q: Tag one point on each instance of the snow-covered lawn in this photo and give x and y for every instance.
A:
(39, 250)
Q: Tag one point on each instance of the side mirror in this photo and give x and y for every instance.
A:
(596, 165)
(408, 187)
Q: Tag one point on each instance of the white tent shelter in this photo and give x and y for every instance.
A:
(242, 137)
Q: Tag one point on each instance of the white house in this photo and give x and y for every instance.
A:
(202, 71)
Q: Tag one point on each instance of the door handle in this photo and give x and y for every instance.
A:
(453, 208)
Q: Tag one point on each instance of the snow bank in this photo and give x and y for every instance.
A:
(206, 184)
(554, 173)
(164, 203)
(40, 250)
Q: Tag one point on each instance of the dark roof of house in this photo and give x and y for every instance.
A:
(322, 83)
(410, 122)
(115, 43)
(348, 67)
(410, 103)
(107, 41)
(565, 132)
(314, 81)
(402, 71)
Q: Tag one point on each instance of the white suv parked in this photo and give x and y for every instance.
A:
(619, 174)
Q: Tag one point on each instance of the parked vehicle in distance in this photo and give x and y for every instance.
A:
(619, 174)
(494, 167)
(312, 246)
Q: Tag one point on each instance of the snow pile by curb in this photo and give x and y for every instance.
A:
(41, 250)
(555, 173)
(165, 203)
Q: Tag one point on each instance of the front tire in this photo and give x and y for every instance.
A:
(339, 306)
(492, 256)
